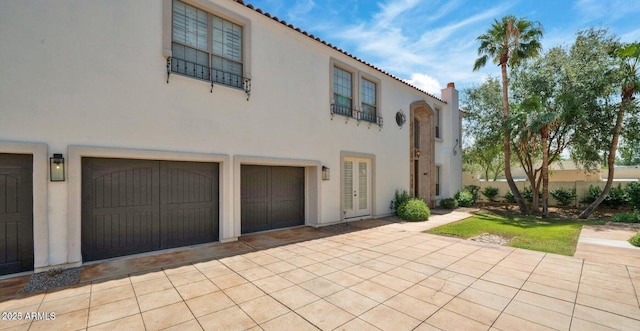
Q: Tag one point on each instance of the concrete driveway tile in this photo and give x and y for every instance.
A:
(374, 291)
(447, 320)
(288, 322)
(263, 309)
(209, 303)
(273, 283)
(485, 298)
(356, 324)
(429, 295)
(186, 277)
(280, 267)
(551, 291)
(580, 325)
(321, 286)
(378, 265)
(298, 276)
(455, 277)
(343, 279)
(554, 282)
(503, 280)
(495, 288)
(133, 322)
(196, 289)
(445, 286)
(605, 318)
(543, 301)
(244, 292)
(167, 316)
(362, 272)
(407, 274)
(232, 318)
(387, 318)
(113, 311)
(74, 320)
(320, 268)
(411, 306)
(324, 315)
(546, 317)
(112, 294)
(295, 297)
(153, 285)
(228, 280)
(191, 325)
(158, 299)
(508, 322)
(352, 302)
(472, 310)
(631, 311)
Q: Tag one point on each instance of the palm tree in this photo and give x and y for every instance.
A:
(507, 43)
(629, 69)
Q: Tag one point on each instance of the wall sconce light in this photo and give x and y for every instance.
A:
(56, 168)
(326, 174)
(247, 87)
(418, 153)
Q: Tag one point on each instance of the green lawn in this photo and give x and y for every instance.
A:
(552, 235)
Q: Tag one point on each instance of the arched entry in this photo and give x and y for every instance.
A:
(422, 152)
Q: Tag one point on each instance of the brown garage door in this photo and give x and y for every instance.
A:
(272, 197)
(16, 213)
(135, 206)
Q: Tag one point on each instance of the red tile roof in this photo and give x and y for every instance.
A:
(283, 22)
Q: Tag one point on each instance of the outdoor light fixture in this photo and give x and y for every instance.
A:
(418, 153)
(56, 168)
(247, 87)
(326, 175)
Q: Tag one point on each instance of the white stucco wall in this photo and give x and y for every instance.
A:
(90, 77)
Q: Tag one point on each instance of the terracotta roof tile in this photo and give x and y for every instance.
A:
(258, 10)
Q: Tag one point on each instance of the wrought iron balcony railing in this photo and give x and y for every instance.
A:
(203, 72)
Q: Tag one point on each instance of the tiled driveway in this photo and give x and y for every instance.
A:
(390, 277)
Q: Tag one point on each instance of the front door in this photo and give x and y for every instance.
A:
(356, 187)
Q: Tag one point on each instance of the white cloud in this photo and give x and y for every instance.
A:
(426, 83)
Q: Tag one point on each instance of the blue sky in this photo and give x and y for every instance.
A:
(432, 42)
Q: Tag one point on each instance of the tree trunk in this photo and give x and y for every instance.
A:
(610, 160)
(544, 133)
(507, 140)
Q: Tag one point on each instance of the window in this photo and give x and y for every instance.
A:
(354, 93)
(206, 46)
(342, 95)
(437, 180)
(437, 122)
(368, 98)
(416, 133)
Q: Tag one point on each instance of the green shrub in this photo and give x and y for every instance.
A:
(449, 203)
(464, 198)
(635, 240)
(527, 194)
(633, 194)
(592, 194)
(616, 198)
(473, 189)
(564, 196)
(490, 193)
(633, 217)
(401, 198)
(508, 197)
(414, 210)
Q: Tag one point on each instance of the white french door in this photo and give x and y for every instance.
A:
(356, 188)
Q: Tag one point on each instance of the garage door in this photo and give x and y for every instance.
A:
(135, 206)
(16, 213)
(271, 197)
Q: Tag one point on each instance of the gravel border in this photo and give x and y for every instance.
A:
(53, 278)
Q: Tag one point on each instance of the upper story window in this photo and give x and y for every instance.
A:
(354, 93)
(437, 123)
(368, 99)
(206, 46)
(342, 92)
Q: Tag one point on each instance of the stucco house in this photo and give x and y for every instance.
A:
(135, 126)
